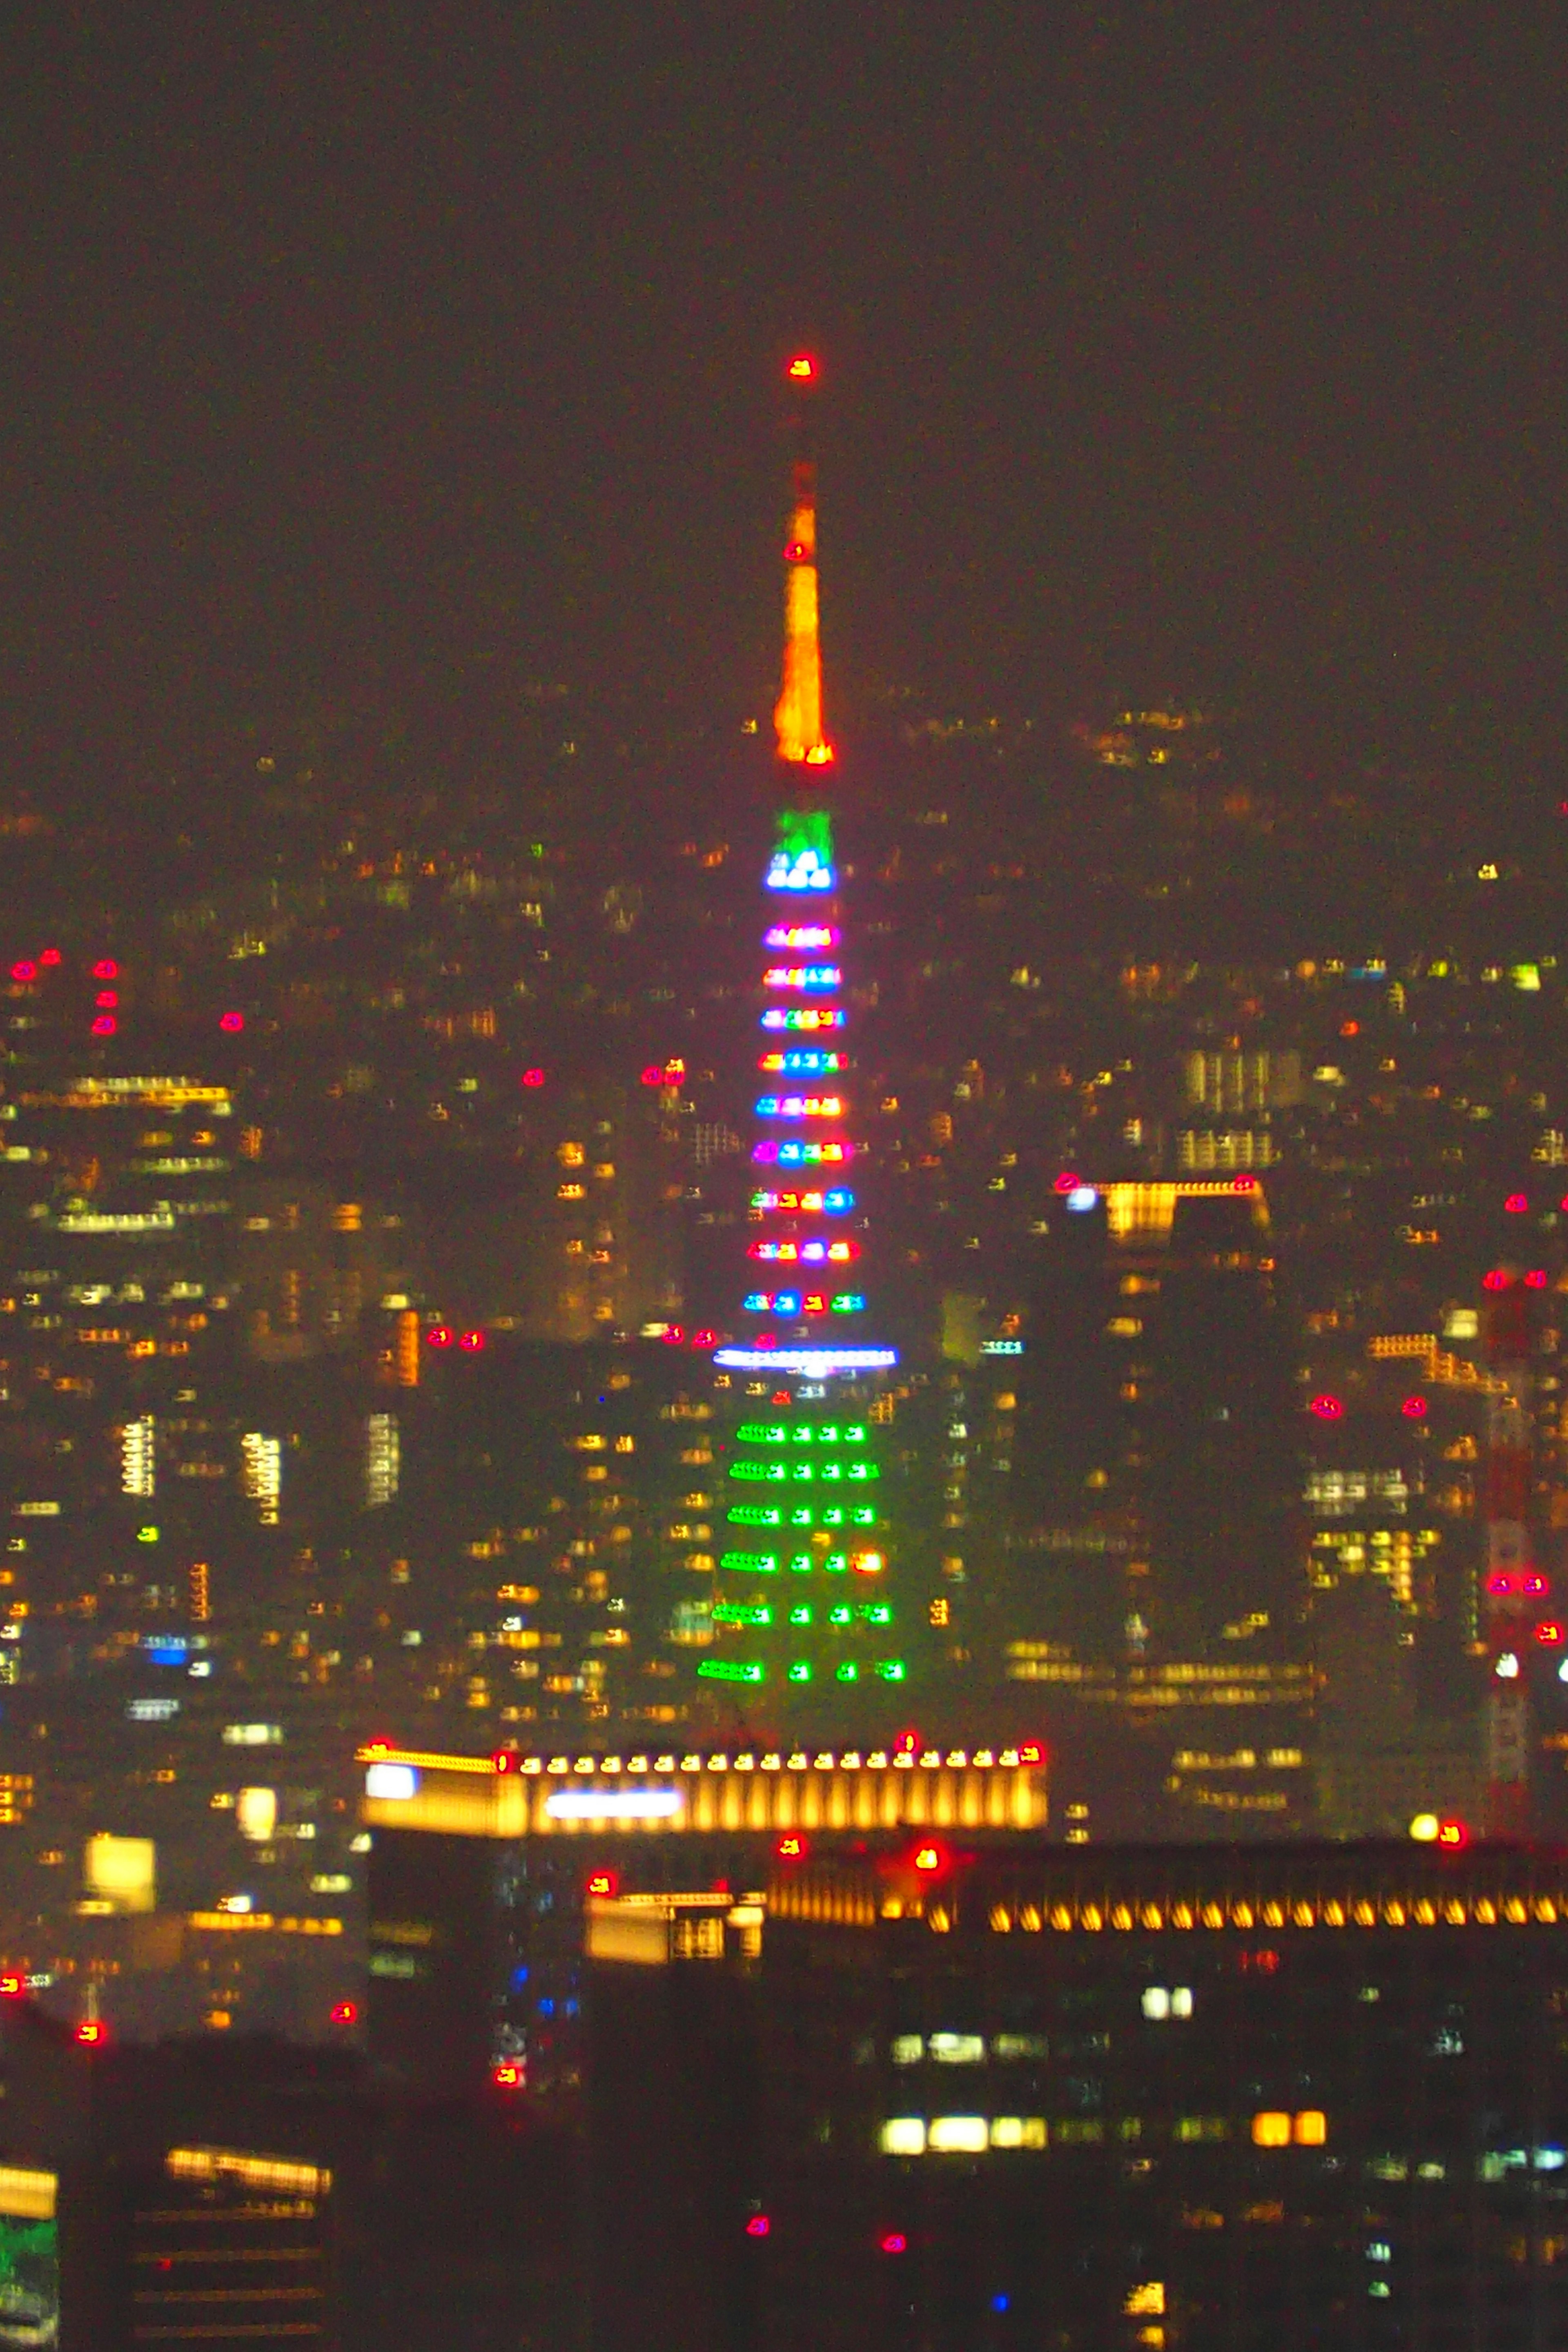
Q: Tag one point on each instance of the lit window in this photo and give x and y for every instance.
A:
(1018, 2131)
(957, 2049)
(1270, 2129)
(904, 2135)
(958, 2134)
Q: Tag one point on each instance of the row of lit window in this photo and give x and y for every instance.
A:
(832, 1514)
(813, 1253)
(1450, 1910)
(802, 1062)
(805, 1432)
(835, 1563)
(804, 1016)
(801, 935)
(800, 1107)
(835, 1204)
(811, 1302)
(800, 1670)
(974, 2135)
(827, 1760)
(806, 978)
(805, 1474)
(797, 1154)
(757, 1613)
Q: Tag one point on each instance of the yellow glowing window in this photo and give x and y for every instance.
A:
(570, 1191)
(1270, 2128)
(1310, 2128)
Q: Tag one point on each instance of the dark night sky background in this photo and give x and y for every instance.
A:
(410, 353)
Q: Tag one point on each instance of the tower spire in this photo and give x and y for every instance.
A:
(797, 714)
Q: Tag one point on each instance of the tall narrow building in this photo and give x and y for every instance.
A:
(805, 1617)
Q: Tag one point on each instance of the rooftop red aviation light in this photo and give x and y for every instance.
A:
(603, 1884)
(51, 956)
(25, 970)
(893, 2242)
(758, 2226)
(12, 1988)
(1496, 1280)
(106, 968)
(1453, 1833)
(792, 1846)
(1414, 1408)
(440, 1338)
(473, 1341)
(346, 2013)
(508, 2076)
(105, 1025)
(534, 1078)
(1327, 1408)
(803, 368)
(232, 1022)
(1517, 1203)
(92, 2033)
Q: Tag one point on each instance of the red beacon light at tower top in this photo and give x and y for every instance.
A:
(801, 369)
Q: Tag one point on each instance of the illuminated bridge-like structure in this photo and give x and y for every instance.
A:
(508, 1795)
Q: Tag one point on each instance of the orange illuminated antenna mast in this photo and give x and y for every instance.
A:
(797, 714)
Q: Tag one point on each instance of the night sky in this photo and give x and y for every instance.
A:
(403, 357)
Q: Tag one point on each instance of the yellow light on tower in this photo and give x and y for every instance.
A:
(797, 715)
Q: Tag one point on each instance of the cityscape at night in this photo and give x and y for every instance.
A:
(783, 1183)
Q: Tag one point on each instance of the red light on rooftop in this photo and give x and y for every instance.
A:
(474, 1342)
(346, 2013)
(675, 1336)
(105, 1025)
(11, 1988)
(1066, 1183)
(1549, 1634)
(92, 2033)
(1327, 1408)
(603, 1883)
(1536, 1278)
(25, 970)
(792, 1846)
(705, 1338)
(232, 1022)
(653, 1076)
(1517, 1203)
(534, 1078)
(1031, 1752)
(1453, 1833)
(803, 368)
(508, 2076)
(1535, 1584)
(49, 956)
(440, 1338)
(758, 2226)
(1496, 1280)
(503, 1759)
(893, 2241)
(107, 999)
(1414, 1408)
(1243, 1183)
(106, 968)
(929, 1858)
(1500, 1581)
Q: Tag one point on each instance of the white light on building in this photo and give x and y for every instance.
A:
(138, 1457)
(261, 1474)
(383, 1457)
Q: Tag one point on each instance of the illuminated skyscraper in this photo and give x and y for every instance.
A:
(805, 1608)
